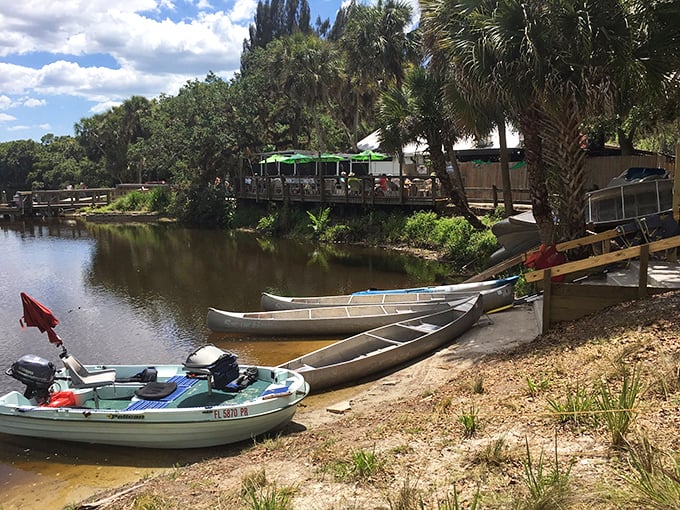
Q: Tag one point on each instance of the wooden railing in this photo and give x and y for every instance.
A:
(568, 301)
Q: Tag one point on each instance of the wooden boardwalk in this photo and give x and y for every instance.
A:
(421, 193)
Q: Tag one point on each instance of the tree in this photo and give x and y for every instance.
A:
(555, 63)
(307, 67)
(416, 110)
(106, 137)
(376, 48)
(277, 19)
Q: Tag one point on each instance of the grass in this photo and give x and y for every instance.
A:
(468, 419)
(547, 488)
(257, 494)
(150, 502)
(409, 497)
(495, 453)
(478, 385)
(363, 465)
(656, 476)
(537, 386)
(618, 409)
(578, 407)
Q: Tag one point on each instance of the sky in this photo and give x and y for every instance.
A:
(64, 60)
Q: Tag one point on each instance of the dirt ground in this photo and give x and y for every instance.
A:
(503, 374)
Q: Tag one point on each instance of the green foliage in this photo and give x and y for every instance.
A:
(536, 386)
(365, 464)
(548, 489)
(469, 420)
(269, 498)
(579, 406)
(267, 224)
(337, 234)
(656, 476)
(319, 223)
(201, 206)
(618, 409)
(418, 228)
(362, 466)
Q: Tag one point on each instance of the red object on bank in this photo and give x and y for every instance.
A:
(37, 315)
(546, 256)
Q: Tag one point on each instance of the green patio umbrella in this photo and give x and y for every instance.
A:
(331, 158)
(369, 155)
(274, 158)
(296, 158)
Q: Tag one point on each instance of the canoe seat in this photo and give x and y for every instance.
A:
(425, 328)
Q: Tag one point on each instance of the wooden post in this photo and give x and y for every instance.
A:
(547, 298)
(642, 275)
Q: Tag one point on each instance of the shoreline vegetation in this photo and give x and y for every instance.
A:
(582, 417)
(426, 234)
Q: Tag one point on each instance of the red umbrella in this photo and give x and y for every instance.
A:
(39, 316)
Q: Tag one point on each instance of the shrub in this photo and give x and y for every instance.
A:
(418, 227)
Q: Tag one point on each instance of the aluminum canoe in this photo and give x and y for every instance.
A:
(325, 321)
(373, 352)
(495, 297)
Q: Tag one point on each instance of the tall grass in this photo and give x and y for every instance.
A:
(579, 406)
(656, 477)
(548, 488)
(618, 408)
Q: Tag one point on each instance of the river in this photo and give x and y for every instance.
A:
(139, 294)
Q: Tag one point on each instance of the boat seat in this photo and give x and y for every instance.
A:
(83, 378)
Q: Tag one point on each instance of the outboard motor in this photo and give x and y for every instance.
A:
(36, 373)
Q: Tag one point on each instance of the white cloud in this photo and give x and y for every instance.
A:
(5, 102)
(154, 55)
(18, 127)
(104, 107)
(33, 103)
(6, 118)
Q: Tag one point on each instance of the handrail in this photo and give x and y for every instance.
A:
(605, 259)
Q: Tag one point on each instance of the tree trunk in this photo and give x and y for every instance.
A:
(625, 141)
(563, 155)
(533, 153)
(505, 169)
(458, 200)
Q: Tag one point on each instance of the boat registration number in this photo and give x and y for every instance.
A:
(232, 412)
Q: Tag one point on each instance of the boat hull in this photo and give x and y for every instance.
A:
(456, 287)
(226, 418)
(374, 352)
(609, 207)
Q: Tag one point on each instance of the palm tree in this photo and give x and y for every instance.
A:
(308, 69)
(554, 64)
(416, 110)
(376, 45)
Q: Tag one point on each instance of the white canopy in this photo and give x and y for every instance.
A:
(372, 142)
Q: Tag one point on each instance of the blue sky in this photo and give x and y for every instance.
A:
(63, 60)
